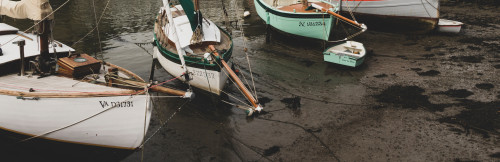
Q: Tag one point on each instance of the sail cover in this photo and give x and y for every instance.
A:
(26, 9)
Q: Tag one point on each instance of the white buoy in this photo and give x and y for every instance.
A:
(246, 14)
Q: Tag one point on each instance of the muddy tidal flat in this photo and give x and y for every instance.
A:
(417, 97)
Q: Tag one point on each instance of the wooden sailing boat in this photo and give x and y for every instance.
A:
(85, 101)
(297, 17)
(189, 45)
(401, 15)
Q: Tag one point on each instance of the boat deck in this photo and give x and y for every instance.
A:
(299, 8)
(289, 5)
(57, 84)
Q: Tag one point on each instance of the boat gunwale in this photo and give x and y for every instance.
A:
(122, 92)
(282, 13)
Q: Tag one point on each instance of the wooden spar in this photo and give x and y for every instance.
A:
(338, 16)
(175, 38)
(240, 84)
(153, 88)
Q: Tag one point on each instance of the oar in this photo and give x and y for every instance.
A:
(363, 26)
(246, 92)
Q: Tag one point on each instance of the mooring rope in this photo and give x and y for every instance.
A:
(164, 123)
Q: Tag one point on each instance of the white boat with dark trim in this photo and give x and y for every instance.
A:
(189, 45)
(404, 15)
(83, 101)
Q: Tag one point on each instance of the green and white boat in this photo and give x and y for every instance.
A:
(298, 17)
(348, 53)
(189, 45)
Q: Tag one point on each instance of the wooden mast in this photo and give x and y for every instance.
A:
(246, 92)
(363, 26)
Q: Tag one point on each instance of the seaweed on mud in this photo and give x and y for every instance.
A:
(429, 73)
(473, 48)
(482, 117)
(271, 150)
(292, 103)
(472, 40)
(380, 76)
(308, 63)
(457, 93)
(407, 97)
(264, 100)
(485, 86)
(428, 56)
(495, 155)
(416, 69)
(469, 59)
(402, 57)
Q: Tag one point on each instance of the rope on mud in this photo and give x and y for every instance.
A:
(308, 131)
(163, 124)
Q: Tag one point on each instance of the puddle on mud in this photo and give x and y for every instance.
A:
(457, 93)
(495, 155)
(482, 117)
(292, 103)
(429, 73)
(497, 66)
(485, 86)
(416, 69)
(469, 59)
(264, 100)
(407, 97)
(380, 76)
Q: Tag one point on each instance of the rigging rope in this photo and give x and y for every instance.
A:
(97, 27)
(97, 24)
(36, 24)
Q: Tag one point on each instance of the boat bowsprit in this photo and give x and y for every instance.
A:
(348, 53)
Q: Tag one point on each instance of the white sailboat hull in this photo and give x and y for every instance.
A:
(209, 80)
(394, 15)
(122, 126)
(404, 8)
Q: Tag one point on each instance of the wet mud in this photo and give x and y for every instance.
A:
(429, 73)
(485, 86)
(481, 117)
(457, 93)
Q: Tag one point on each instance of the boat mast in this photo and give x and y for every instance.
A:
(175, 38)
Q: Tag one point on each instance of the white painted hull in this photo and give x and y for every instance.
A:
(402, 8)
(208, 80)
(120, 127)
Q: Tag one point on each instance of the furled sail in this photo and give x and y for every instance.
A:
(26, 9)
